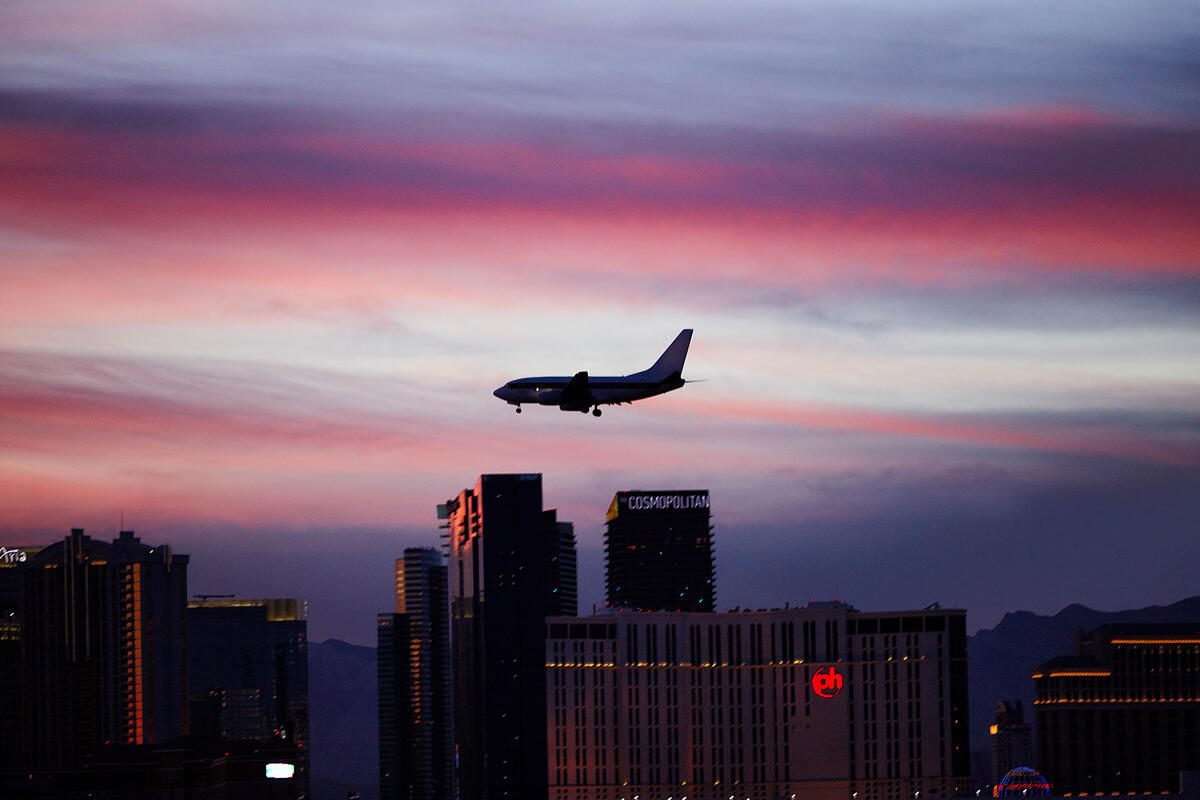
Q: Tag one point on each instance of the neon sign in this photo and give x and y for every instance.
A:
(12, 556)
(826, 682)
(656, 501)
(666, 502)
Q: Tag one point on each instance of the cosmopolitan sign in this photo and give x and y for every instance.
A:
(656, 501)
(666, 502)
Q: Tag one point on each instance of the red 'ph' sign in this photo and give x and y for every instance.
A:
(826, 682)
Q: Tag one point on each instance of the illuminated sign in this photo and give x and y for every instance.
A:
(278, 770)
(657, 501)
(826, 682)
(13, 555)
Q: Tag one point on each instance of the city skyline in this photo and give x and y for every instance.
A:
(264, 268)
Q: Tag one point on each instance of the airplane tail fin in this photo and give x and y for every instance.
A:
(671, 361)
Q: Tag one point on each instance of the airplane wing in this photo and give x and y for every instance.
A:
(576, 395)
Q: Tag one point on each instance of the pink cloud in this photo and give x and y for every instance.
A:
(119, 21)
(174, 443)
(353, 267)
(1040, 437)
(914, 202)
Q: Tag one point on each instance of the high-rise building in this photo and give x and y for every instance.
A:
(659, 552)
(103, 647)
(561, 572)
(823, 702)
(248, 672)
(11, 734)
(1012, 739)
(1122, 715)
(499, 586)
(416, 744)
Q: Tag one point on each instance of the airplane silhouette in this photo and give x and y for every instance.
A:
(581, 393)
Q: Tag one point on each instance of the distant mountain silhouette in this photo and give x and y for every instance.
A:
(1001, 660)
(342, 697)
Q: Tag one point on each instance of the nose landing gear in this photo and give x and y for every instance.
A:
(518, 409)
(596, 411)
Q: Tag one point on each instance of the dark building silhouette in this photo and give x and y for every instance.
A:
(659, 552)
(184, 768)
(12, 735)
(248, 673)
(103, 648)
(498, 543)
(561, 570)
(416, 743)
(1011, 737)
(1122, 715)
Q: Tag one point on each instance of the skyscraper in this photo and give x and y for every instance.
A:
(659, 552)
(11, 734)
(1012, 739)
(416, 744)
(103, 655)
(498, 600)
(248, 672)
(561, 572)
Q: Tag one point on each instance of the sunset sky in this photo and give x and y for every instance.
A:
(262, 265)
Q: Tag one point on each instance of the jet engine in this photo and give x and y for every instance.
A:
(549, 397)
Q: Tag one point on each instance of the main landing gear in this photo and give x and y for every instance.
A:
(518, 409)
(596, 411)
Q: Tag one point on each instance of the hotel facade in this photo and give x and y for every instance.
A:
(817, 702)
(247, 674)
(1122, 715)
(103, 648)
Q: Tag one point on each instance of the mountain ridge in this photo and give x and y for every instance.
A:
(344, 720)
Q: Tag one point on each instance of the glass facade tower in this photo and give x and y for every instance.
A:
(248, 672)
(416, 746)
(499, 585)
(659, 552)
(103, 647)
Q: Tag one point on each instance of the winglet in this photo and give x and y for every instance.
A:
(671, 361)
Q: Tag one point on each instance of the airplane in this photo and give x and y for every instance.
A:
(581, 393)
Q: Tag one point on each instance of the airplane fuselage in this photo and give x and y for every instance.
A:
(548, 391)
